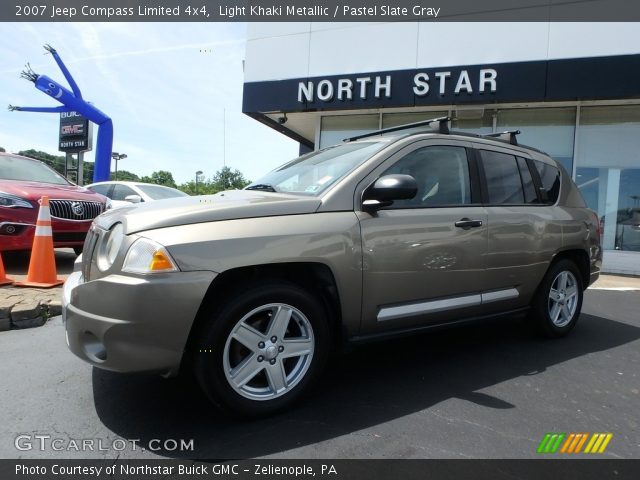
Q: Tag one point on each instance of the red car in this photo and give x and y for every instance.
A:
(23, 181)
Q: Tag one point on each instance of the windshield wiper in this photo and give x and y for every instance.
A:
(261, 186)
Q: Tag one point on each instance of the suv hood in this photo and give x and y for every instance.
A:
(33, 191)
(229, 205)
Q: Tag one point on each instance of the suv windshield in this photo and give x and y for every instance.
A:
(313, 173)
(158, 192)
(15, 168)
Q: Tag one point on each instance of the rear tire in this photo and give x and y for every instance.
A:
(558, 301)
(262, 350)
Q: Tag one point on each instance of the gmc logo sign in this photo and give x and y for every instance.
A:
(77, 129)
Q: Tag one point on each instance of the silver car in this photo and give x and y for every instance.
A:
(123, 194)
(386, 234)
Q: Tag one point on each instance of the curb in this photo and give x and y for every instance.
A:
(27, 314)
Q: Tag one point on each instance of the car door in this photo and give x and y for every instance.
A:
(424, 258)
(522, 233)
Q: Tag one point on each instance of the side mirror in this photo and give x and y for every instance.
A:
(387, 189)
(133, 198)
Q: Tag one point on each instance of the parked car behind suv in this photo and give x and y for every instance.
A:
(23, 182)
(386, 234)
(122, 194)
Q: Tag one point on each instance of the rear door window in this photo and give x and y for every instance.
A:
(530, 195)
(504, 185)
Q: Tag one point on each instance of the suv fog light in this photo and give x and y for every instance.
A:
(93, 348)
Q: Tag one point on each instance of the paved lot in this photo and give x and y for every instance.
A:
(486, 391)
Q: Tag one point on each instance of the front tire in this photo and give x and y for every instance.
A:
(263, 349)
(558, 301)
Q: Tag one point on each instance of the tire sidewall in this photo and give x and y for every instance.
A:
(541, 310)
(209, 349)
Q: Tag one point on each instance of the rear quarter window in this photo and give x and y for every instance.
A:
(550, 179)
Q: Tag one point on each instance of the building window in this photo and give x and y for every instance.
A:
(549, 129)
(336, 128)
(608, 171)
(473, 121)
(396, 119)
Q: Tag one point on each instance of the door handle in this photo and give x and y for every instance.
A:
(467, 223)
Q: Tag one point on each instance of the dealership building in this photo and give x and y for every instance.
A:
(573, 89)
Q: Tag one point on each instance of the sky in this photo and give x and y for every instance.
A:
(166, 86)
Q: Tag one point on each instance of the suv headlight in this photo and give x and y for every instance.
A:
(110, 246)
(147, 256)
(11, 201)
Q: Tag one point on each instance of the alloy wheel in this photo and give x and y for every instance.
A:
(268, 351)
(563, 299)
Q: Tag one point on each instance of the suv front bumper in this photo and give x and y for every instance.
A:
(133, 324)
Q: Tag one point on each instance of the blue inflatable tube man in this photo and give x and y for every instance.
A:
(72, 100)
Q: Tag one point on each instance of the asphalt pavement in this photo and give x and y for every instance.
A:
(486, 391)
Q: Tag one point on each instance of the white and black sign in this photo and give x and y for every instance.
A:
(75, 134)
(364, 87)
(591, 78)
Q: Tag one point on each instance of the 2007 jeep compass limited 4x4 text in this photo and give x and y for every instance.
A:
(393, 232)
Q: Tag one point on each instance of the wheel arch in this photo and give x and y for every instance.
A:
(312, 276)
(580, 258)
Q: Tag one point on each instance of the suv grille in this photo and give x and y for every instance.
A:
(75, 209)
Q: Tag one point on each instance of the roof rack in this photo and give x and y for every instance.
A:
(441, 125)
(438, 125)
(507, 136)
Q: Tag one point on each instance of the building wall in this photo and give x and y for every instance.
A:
(277, 51)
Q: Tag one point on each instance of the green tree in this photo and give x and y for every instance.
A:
(227, 179)
(87, 173)
(223, 179)
(2, 150)
(161, 177)
(125, 176)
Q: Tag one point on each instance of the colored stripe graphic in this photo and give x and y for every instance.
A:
(570, 439)
(581, 442)
(572, 443)
(551, 442)
(598, 443)
(543, 443)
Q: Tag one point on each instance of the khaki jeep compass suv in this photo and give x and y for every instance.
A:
(388, 233)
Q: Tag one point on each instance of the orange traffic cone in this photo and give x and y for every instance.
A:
(42, 266)
(4, 280)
